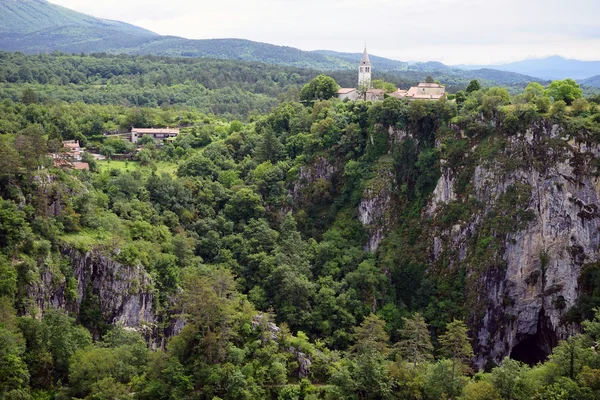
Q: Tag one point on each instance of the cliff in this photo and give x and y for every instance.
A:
(518, 216)
(99, 292)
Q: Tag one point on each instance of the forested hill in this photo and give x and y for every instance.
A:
(226, 87)
(36, 26)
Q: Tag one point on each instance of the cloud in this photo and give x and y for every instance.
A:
(455, 31)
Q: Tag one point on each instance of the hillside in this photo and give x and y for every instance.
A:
(298, 252)
(29, 21)
(594, 81)
(548, 68)
(37, 26)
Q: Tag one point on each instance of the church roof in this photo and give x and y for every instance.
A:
(346, 90)
(365, 58)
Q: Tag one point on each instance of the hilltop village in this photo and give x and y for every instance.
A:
(365, 91)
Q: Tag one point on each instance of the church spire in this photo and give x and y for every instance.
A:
(364, 70)
(365, 57)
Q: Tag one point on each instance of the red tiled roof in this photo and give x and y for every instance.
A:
(345, 90)
(81, 166)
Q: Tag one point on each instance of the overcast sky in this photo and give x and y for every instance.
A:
(450, 31)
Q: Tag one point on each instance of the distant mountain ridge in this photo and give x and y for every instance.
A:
(554, 67)
(37, 26)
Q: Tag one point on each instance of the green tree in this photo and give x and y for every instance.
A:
(371, 334)
(323, 87)
(508, 378)
(429, 79)
(244, 205)
(566, 90)
(415, 343)
(455, 344)
(363, 87)
(481, 390)
(473, 86)
(29, 96)
(386, 86)
(533, 91)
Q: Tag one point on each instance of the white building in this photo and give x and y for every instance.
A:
(424, 91)
(159, 135)
(364, 81)
(364, 70)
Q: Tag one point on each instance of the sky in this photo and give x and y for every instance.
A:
(451, 31)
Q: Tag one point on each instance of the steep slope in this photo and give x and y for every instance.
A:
(28, 16)
(514, 223)
(35, 26)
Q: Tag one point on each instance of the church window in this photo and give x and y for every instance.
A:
(367, 69)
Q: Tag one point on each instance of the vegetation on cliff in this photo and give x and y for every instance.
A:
(249, 233)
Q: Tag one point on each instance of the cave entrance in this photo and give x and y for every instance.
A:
(533, 349)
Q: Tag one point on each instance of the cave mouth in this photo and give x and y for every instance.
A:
(536, 348)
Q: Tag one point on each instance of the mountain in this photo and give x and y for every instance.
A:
(594, 81)
(548, 68)
(37, 26)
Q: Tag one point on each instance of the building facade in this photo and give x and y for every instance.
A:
(161, 135)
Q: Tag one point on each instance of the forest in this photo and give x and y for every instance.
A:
(239, 249)
(228, 88)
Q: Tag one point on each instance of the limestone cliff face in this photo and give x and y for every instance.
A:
(122, 294)
(374, 209)
(522, 291)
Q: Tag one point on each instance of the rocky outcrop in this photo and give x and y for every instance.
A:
(374, 209)
(270, 331)
(122, 294)
(521, 293)
(444, 191)
(321, 168)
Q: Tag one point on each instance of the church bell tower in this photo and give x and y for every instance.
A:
(364, 70)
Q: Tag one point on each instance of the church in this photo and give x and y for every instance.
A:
(364, 90)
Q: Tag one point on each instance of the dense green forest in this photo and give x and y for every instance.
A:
(229, 88)
(255, 267)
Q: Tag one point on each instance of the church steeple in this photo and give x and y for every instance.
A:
(364, 69)
(365, 58)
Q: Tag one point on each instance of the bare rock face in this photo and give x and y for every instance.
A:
(374, 210)
(123, 294)
(321, 168)
(521, 294)
(444, 190)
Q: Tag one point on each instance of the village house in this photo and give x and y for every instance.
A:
(424, 91)
(70, 157)
(160, 135)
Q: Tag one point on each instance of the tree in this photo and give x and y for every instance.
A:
(415, 344)
(481, 390)
(580, 106)
(559, 108)
(429, 79)
(244, 205)
(566, 90)
(363, 87)
(29, 96)
(386, 86)
(508, 377)
(533, 91)
(371, 334)
(456, 345)
(323, 87)
(473, 86)
(543, 104)
(14, 229)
